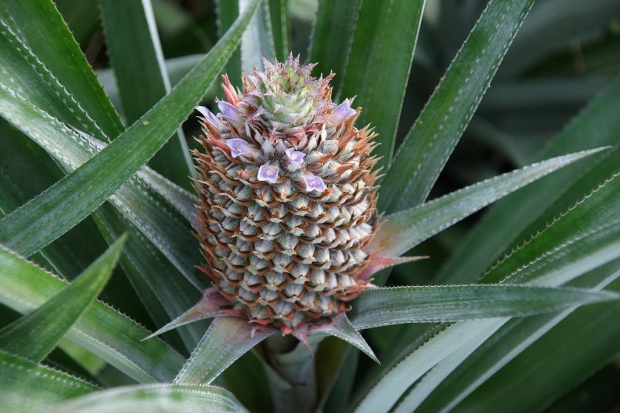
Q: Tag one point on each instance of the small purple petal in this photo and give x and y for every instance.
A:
(267, 173)
(314, 183)
(238, 147)
(229, 112)
(295, 156)
(342, 112)
(213, 120)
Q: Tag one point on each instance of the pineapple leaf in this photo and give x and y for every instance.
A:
(45, 60)
(597, 125)
(53, 319)
(387, 391)
(280, 25)
(227, 13)
(257, 41)
(406, 229)
(146, 398)
(75, 196)
(341, 327)
(588, 338)
(101, 330)
(586, 236)
(209, 306)
(163, 290)
(183, 201)
(434, 135)
(28, 387)
(513, 339)
(138, 63)
(378, 66)
(545, 267)
(388, 306)
(26, 171)
(29, 170)
(226, 340)
(141, 207)
(335, 20)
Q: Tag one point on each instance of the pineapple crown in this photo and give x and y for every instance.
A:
(282, 124)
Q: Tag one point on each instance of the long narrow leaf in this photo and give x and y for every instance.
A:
(108, 334)
(597, 125)
(386, 392)
(543, 269)
(588, 338)
(53, 319)
(68, 78)
(28, 387)
(226, 340)
(335, 20)
(592, 224)
(430, 142)
(175, 397)
(257, 41)
(511, 340)
(75, 196)
(161, 224)
(388, 306)
(138, 62)
(378, 66)
(404, 230)
(280, 25)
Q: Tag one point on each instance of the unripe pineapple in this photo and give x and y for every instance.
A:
(287, 197)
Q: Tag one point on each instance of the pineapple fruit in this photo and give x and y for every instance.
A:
(287, 198)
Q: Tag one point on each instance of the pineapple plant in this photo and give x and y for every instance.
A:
(287, 198)
(314, 214)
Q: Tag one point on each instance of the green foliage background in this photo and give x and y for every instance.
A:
(461, 94)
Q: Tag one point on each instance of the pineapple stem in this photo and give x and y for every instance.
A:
(292, 374)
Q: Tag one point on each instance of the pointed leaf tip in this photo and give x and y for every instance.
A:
(212, 304)
(341, 327)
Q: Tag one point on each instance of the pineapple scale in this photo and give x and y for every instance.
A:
(287, 198)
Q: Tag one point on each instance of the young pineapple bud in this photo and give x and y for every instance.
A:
(287, 197)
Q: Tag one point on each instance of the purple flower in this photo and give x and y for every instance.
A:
(213, 120)
(267, 173)
(314, 183)
(238, 147)
(230, 113)
(295, 156)
(342, 112)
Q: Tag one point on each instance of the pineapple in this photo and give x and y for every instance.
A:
(287, 198)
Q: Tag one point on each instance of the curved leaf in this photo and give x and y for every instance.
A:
(588, 338)
(67, 82)
(28, 387)
(257, 41)
(386, 392)
(35, 335)
(585, 236)
(226, 340)
(545, 269)
(388, 306)
(434, 135)
(446, 391)
(138, 62)
(149, 398)
(404, 230)
(76, 195)
(335, 20)
(108, 334)
(596, 125)
(378, 66)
